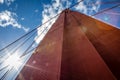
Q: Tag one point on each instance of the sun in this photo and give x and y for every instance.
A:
(13, 61)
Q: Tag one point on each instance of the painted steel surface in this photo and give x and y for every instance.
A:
(105, 38)
(77, 47)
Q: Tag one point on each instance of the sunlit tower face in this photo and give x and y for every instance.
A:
(13, 61)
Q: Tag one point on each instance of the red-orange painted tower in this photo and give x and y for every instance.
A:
(77, 47)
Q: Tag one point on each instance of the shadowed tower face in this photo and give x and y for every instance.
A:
(77, 47)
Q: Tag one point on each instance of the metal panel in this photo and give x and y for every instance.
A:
(66, 53)
(105, 38)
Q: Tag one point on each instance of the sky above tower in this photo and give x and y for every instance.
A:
(17, 17)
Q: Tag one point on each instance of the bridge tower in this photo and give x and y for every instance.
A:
(77, 47)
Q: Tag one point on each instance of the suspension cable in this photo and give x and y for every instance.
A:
(106, 9)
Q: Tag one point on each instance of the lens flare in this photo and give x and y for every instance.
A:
(13, 61)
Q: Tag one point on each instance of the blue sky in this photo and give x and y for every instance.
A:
(28, 14)
(17, 17)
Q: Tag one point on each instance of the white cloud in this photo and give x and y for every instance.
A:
(1, 1)
(36, 10)
(81, 7)
(8, 18)
(22, 18)
(25, 29)
(87, 7)
(7, 2)
(48, 12)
